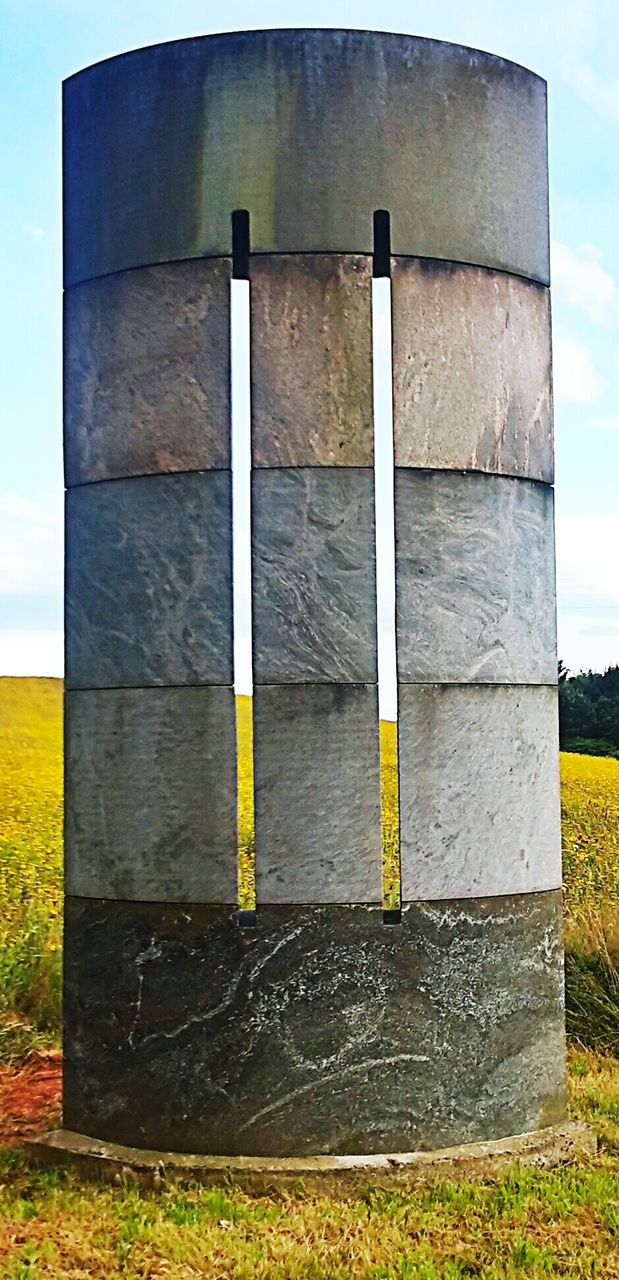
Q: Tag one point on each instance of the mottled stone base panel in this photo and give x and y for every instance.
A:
(349, 1175)
(147, 372)
(311, 356)
(321, 1031)
(149, 582)
(150, 794)
(488, 407)
(479, 790)
(317, 788)
(314, 575)
(475, 578)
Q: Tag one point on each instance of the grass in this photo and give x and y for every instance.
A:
(527, 1224)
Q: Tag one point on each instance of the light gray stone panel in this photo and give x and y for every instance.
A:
(314, 575)
(316, 770)
(149, 582)
(147, 372)
(471, 370)
(311, 353)
(311, 131)
(479, 790)
(320, 1030)
(475, 578)
(150, 795)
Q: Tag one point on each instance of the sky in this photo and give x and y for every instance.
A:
(573, 44)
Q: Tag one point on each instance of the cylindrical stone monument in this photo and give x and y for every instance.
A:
(322, 1028)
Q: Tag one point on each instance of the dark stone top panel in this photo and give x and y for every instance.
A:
(311, 357)
(147, 372)
(150, 794)
(149, 581)
(488, 406)
(321, 1030)
(311, 131)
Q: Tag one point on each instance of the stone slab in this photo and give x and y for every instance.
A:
(149, 582)
(316, 772)
(320, 1032)
(314, 575)
(147, 372)
(475, 579)
(471, 370)
(311, 355)
(548, 1148)
(150, 795)
(161, 144)
(479, 790)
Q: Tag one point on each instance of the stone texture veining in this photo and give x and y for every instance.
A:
(319, 1031)
(479, 790)
(147, 372)
(471, 370)
(149, 582)
(311, 354)
(475, 587)
(314, 575)
(317, 794)
(151, 794)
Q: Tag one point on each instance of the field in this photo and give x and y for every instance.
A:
(528, 1224)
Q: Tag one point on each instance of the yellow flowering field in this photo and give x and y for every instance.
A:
(31, 854)
(590, 826)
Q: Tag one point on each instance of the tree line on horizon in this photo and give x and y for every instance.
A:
(589, 711)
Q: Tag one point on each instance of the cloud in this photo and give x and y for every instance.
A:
(31, 546)
(588, 591)
(608, 423)
(587, 562)
(31, 653)
(574, 374)
(579, 280)
(37, 233)
(600, 94)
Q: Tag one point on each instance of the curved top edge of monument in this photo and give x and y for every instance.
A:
(311, 130)
(303, 31)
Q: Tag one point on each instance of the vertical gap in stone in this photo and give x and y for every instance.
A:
(385, 570)
(382, 244)
(241, 560)
(240, 244)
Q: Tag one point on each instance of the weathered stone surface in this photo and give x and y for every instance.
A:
(314, 575)
(311, 131)
(546, 1148)
(150, 794)
(475, 578)
(149, 582)
(316, 770)
(471, 370)
(147, 372)
(479, 790)
(311, 353)
(320, 1031)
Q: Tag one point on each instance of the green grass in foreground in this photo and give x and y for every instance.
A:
(527, 1224)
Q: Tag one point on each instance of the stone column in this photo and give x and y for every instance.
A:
(321, 1028)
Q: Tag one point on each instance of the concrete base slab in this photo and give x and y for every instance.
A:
(544, 1149)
